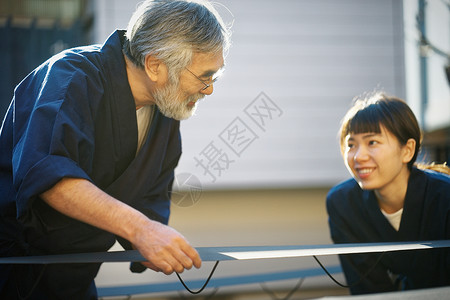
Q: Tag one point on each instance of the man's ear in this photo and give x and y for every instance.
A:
(153, 67)
(409, 149)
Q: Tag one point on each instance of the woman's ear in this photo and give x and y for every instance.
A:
(409, 149)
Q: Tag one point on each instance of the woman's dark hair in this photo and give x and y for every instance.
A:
(369, 114)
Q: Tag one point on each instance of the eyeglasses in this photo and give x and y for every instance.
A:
(206, 85)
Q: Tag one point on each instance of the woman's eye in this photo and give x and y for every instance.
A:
(373, 143)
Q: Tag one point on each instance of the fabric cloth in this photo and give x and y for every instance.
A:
(355, 217)
(144, 117)
(394, 218)
(75, 116)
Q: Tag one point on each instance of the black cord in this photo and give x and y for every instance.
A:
(298, 284)
(205, 297)
(355, 283)
(203, 287)
(272, 294)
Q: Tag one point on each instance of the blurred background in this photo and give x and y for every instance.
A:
(262, 151)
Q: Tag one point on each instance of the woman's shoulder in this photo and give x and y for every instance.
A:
(346, 186)
(438, 168)
(345, 191)
(435, 174)
(436, 185)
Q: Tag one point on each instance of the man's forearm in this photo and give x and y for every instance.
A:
(82, 200)
(165, 249)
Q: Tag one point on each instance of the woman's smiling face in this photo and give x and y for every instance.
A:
(376, 160)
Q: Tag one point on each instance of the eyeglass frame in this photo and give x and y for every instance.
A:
(206, 85)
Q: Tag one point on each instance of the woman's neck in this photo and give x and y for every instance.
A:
(391, 197)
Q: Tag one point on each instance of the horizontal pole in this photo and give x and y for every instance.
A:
(233, 253)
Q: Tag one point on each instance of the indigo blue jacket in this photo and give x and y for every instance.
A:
(355, 217)
(75, 116)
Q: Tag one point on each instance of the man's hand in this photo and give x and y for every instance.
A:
(166, 250)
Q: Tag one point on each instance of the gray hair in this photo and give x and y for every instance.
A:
(173, 30)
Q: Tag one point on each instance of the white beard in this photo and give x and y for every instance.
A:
(171, 105)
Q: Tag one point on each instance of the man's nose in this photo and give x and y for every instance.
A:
(209, 90)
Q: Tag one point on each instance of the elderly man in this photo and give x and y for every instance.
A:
(89, 146)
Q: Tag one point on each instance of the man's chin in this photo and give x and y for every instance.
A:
(188, 113)
(181, 115)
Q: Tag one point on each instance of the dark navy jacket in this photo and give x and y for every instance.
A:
(355, 217)
(75, 116)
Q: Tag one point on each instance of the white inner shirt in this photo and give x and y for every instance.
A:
(394, 218)
(144, 116)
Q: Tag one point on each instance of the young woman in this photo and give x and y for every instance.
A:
(389, 199)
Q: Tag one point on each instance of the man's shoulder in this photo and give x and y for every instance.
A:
(94, 56)
(74, 59)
